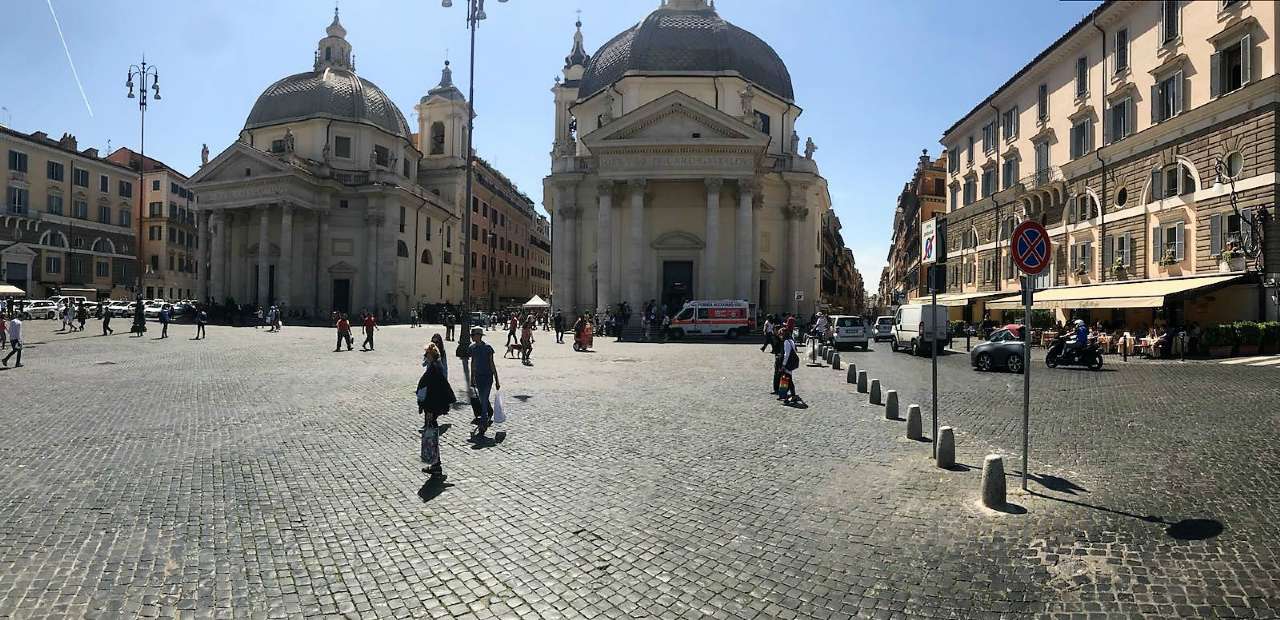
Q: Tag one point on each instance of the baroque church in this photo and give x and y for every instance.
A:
(677, 172)
(328, 200)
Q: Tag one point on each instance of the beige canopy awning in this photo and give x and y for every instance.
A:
(536, 302)
(1139, 294)
(7, 290)
(952, 300)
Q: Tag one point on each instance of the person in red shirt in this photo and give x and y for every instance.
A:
(344, 332)
(370, 325)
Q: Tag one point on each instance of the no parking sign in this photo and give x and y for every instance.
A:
(1030, 248)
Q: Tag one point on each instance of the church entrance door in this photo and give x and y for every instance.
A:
(342, 295)
(677, 284)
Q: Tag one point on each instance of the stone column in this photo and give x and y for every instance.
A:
(746, 216)
(795, 252)
(635, 271)
(711, 253)
(567, 215)
(371, 223)
(323, 282)
(755, 249)
(264, 255)
(285, 264)
(201, 256)
(604, 246)
(217, 231)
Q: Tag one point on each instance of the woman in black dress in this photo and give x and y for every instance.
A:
(434, 397)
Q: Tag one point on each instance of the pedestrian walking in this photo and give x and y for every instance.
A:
(164, 322)
(526, 342)
(106, 323)
(444, 358)
(434, 397)
(4, 331)
(484, 379)
(370, 326)
(15, 340)
(258, 318)
(448, 326)
(559, 325)
(787, 381)
(344, 332)
(512, 325)
(82, 315)
(413, 318)
(773, 340)
(202, 318)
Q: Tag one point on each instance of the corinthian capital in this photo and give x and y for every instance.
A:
(637, 185)
(713, 184)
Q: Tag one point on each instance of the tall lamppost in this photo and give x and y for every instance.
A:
(493, 245)
(475, 15)
(143, 72)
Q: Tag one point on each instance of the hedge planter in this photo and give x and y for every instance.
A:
(1220, 351)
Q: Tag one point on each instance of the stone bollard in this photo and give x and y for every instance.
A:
(822, 351)
(813, 355)
(913, 423)
(862, 381)
(993, 481)
(875, 392)
(946, 447)
(852, 375)
(831, 354)
(891, 405)
(835, 361)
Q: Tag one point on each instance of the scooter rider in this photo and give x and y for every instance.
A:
(1081, 337)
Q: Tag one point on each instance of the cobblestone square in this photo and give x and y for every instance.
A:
(262, 475)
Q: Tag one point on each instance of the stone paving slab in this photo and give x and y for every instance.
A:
(262, 475)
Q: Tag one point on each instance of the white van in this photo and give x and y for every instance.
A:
(712, 317)
(916, 326)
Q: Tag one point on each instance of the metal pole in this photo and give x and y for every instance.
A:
(936, 349)
(465, 337)
(1026, 374)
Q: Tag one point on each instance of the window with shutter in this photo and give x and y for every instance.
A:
(1108, 251)
(1128, 249)
(1215, 235)
(1178, 242)
(1157, 179)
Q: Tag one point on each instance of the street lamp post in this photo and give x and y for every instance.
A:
(493, 244)
(143, 72)
(475, 14)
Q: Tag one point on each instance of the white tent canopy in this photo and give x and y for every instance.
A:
(536, 302)
(11, 291)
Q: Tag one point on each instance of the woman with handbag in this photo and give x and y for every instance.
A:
(787, 381)
(434, 397)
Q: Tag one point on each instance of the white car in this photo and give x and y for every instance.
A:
(851, 331)
(151, 309)
(120, 308)
(884, 328)
(41, 309)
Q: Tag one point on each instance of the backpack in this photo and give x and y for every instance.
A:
(793, 361)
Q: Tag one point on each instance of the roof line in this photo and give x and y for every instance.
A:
(1034, 61)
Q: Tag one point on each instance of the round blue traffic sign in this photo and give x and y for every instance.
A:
(1030, 248)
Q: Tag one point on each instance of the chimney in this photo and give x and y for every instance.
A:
(67, 141)
(89, 152)
(40, 135)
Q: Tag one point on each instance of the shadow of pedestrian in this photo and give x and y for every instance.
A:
(1056, 483)
(431, 490)
(524, 398)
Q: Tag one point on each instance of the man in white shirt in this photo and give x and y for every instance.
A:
(15, 338)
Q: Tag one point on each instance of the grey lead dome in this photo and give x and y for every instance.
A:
(328, 93)
(671, 40)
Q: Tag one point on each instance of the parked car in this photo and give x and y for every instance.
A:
(120, 308)
(851, 331)
(918, 327)
(1004, 349)
(152, 308)
(40, 309)
(884, 328)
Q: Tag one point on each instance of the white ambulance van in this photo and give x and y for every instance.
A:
(713, 317)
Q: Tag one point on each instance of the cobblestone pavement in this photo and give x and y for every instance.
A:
(262, 475)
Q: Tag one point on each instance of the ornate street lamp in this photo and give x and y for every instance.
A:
(475, 14)
(143, 73)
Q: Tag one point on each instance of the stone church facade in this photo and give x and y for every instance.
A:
(677, 172)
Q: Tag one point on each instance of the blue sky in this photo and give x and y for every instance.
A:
(874, 78)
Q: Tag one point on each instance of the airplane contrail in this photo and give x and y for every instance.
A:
(66, 49)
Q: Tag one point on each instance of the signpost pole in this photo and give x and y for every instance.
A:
(1027, 292)
(936, 349)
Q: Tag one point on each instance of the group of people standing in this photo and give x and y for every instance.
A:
(368, 322)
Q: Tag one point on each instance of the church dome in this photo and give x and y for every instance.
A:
(686, 36)
(328, 93)
(331, 90)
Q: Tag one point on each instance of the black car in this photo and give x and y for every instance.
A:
(1004, 349)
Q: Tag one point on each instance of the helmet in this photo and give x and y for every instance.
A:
(1079, 322)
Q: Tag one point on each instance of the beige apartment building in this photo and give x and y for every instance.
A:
(170, 244)
(922, 198)
(1144, 139)
(503, 222)
(540, 257)
(67, 225)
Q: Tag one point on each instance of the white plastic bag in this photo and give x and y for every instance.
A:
(499, 416)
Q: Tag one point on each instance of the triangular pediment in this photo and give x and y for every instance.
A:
(231, 164)
(675, 118)
(677, 240)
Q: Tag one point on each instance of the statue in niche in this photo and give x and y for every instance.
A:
(204, 154)
(809, 148)
(607, 117)
(795, 142)
(747, 97)
(288, 140)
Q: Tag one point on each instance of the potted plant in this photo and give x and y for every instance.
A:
(1118, 268)
(1220, 339)
(1249, 337)
(1081, 269)
(1168, 259)
(1231, 259)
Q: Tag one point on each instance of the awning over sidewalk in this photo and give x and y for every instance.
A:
(536, 302)
(1139, 294)
(7, 290)
(952, 300)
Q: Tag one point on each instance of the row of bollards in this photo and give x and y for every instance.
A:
(993, 483)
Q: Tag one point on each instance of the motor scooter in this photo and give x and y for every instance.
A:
(1060, 354)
